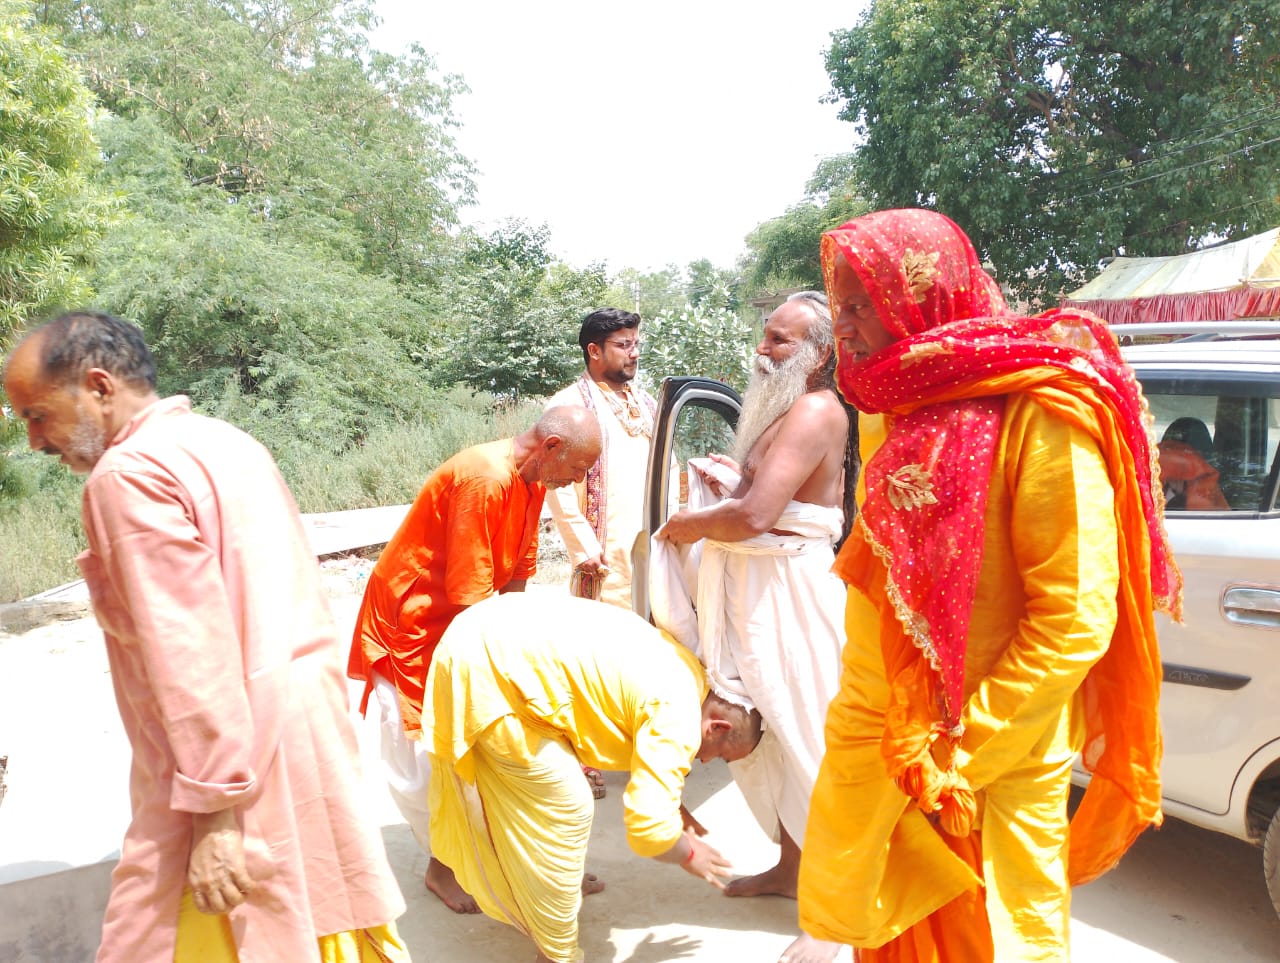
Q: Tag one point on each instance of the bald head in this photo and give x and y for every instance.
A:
(560, 447)
(729, 731)
(575, 426)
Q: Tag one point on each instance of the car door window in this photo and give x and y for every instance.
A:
(696, 416)
(699, 431)
(1217, 445)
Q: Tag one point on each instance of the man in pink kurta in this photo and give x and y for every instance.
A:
(225, 661)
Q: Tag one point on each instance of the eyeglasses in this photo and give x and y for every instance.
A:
(626, 347)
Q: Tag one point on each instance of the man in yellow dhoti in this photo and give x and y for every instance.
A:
(1003, 572)
(520, 695)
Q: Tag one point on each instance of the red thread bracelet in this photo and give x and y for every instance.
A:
(688, 859)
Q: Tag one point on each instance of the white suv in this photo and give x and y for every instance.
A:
(1216, 405)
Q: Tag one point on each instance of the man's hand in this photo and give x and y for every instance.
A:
(690, 822)
(216, 872)
(706, 862)
(682, 527)
(714, 481)
(726, 461)
(594, 566)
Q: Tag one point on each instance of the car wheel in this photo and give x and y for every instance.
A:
(1271, 859)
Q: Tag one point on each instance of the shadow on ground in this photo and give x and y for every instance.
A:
(649, 912)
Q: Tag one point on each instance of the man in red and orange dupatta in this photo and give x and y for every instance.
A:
(1002, 578)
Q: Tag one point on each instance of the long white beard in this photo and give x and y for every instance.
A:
(774, 388)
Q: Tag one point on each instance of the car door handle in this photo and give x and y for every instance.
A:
(1252, 605)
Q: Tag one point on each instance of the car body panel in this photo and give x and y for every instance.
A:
(1219, 711)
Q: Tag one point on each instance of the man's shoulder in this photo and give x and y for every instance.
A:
(570, 394)
(179, 436)
(491, 462)
(821, 406)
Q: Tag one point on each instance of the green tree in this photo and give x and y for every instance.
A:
(783, 252)
(288, 201)
(648, 292)
(241, 318)
(710, 339)
(286, 108)
(711, 287)
(50, 211)
(515, 315)
(1056, 132)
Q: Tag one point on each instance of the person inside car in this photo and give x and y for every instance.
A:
(1190, 480)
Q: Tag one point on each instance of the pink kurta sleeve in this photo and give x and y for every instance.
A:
(169, 582)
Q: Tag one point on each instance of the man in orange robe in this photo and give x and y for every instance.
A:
(1002, 576)
(472, 531)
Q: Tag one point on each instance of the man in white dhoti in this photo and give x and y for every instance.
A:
(769, 612)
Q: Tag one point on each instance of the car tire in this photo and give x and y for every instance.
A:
(1271, 859)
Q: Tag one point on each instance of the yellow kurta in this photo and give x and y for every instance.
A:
(525, 688)
(1044, 613)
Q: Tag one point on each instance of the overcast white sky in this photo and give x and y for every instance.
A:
(642, 134)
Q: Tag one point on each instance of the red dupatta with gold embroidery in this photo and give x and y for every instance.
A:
(960, 354)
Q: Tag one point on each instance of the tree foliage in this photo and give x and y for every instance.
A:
(257, 326)
(709, 338)
(50, 211)
(286, 108)
(515, 314)
(288, 205)
(783, 252)
(1056, 132)
(649, 293)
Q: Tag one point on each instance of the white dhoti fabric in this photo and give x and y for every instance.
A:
(766, 618)
(405, 763)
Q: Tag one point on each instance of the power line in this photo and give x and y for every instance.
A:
(1271, 114)
(1165, 173)
(1223, 135)
(1251, 202)
(1188, 167)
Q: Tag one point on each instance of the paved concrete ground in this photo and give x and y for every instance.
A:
(1180, 895)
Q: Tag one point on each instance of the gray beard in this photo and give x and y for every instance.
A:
(774, 388)
(87, 442)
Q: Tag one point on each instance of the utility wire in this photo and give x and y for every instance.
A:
(1188, 167)
(1272, 116)
(1165, 173)
(1223, 135)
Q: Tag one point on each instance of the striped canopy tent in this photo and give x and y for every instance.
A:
(1239, 280)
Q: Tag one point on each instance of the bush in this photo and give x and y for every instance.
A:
(40, 531)
(389, 467)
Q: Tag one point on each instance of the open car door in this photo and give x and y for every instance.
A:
(696, 416)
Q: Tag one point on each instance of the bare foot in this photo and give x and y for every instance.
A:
(778, 881)
(595, 779)
(591, 884)
(441, 881)
(808, 950)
